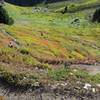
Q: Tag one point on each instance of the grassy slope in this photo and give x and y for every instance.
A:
(74, 5)
(45, 38)
(54, 35)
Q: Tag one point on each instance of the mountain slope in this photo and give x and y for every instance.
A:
(49, 34)
(41, 41)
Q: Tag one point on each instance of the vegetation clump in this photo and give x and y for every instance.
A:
(96, 16)
(4, 17)
(65, 10)
(24, 51)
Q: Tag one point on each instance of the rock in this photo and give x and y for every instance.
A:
(98, 85)
(87, 86)
(40, 9)
(93, 90)
(36, 84)
(63, 84)
(24, 78)
(54, 86)
(79, 82)
(30, 90)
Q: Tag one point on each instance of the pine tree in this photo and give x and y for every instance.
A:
(96, 16)
(4, 17)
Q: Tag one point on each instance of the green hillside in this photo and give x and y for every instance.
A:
(47, 40)
(74, 5)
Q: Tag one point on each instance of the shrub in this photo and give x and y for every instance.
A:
(4, 17)
(10, 21)
(96, 16)
(59, 74)
(65, 10)
(24, 51)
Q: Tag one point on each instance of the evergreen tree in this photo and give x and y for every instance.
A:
(4, 17)
(96, 16)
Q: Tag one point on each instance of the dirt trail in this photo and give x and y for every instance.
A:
(92, 69)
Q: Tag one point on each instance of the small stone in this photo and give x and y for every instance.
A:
(87, 86)
(78, 82)
(30, 90)
(36, 84)
(62, 84)
(57, 84)
(53, 87)
(66, 84)
(93, 90)
(24, 78)
(36, 68)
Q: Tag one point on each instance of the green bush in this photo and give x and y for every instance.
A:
(4, 17)
(96, 16)
(59, 74)
(24, 51)
(65, 10)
